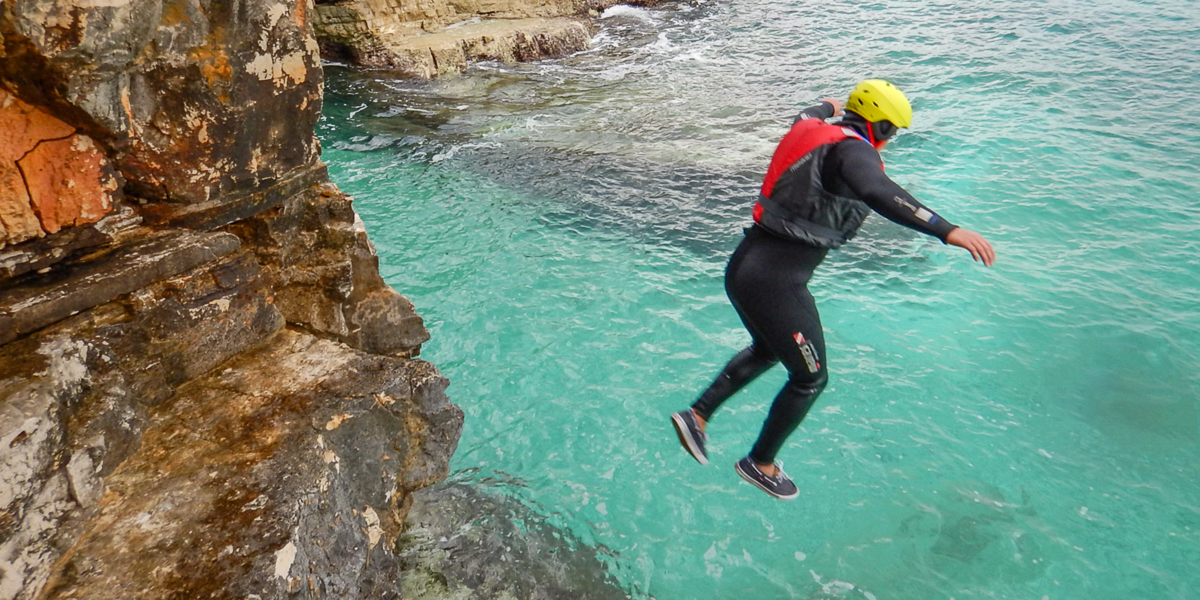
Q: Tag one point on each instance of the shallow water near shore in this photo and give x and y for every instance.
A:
(1027, 431)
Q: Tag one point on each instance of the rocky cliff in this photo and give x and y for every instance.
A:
(206, 388)
(428, 38)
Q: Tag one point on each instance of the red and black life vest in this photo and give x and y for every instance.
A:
(793, 203)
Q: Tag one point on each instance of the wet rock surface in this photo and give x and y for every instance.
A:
(470, 540)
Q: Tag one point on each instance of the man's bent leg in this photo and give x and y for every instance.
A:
(745, 367)
(788, 410)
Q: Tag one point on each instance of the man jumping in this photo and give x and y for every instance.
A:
(823, 181)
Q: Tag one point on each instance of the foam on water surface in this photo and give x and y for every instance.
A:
(624, 10)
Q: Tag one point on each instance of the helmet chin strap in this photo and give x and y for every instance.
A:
(871, 135)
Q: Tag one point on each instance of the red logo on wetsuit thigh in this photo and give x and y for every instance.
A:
(809, 352)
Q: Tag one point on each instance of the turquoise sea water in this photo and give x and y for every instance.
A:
(1029, 431)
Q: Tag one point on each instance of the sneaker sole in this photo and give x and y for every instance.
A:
(686, 440)
(738, 467)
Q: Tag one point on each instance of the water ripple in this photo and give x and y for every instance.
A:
(1029, 431)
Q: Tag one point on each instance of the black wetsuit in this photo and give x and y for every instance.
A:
(767, 282)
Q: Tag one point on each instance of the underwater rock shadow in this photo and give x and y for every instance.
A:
(672, 200)
(468, 538)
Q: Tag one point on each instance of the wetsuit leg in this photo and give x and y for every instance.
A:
(741, 370)
(748, 364)
(805, 382)
(768, 287)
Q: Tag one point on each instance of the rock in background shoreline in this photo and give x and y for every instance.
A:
(206, 388)
(428, 38)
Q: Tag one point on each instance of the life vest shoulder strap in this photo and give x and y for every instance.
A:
(804, 137)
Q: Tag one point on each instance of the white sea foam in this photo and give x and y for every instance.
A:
(624, 10)
(662, 43)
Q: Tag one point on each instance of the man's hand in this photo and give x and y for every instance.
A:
(837, 105)
(974, 243)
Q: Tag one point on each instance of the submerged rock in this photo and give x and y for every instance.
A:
(467, 541)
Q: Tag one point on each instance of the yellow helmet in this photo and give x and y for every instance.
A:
(877, 100)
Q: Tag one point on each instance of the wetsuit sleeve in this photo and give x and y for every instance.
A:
(821, 111)
(859, 166)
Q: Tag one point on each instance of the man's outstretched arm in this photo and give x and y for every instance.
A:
(827, 109)
(861, 169)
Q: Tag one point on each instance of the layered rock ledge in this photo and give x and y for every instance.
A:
(429, 38)
(452, 49)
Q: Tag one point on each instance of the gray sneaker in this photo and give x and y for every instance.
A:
(690, 435)
(779, 486)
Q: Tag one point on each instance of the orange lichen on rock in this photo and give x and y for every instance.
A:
(300, 13)
(50, 176)
(22, 126)
(70, 182)
(17, 221)
(214, 65)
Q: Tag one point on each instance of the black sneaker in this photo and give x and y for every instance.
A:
(690, 435)
(779, 486)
